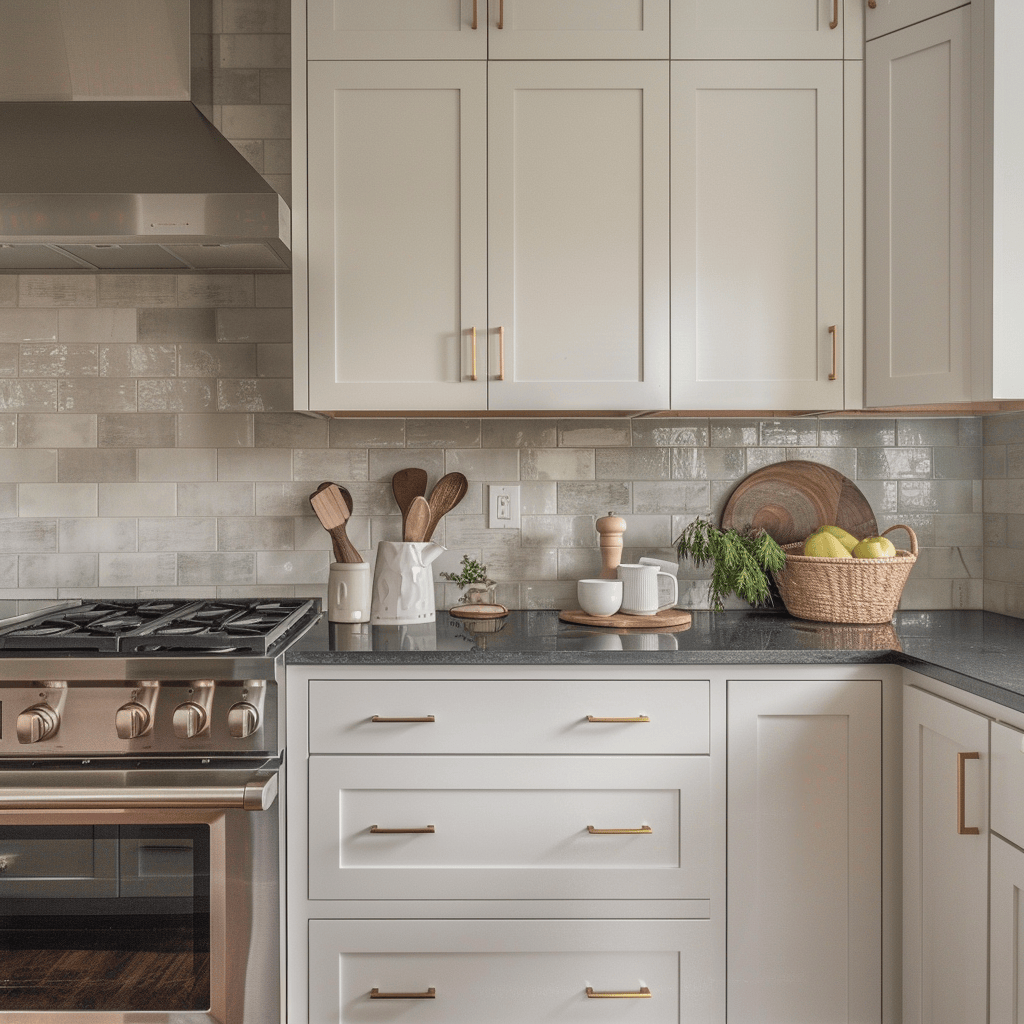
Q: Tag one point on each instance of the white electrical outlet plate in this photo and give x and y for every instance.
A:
(503, 507)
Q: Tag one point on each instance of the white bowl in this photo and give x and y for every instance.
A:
(599, 597)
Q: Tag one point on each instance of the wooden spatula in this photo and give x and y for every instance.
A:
(406, 485)
(447, 493)
(332, 505)
(416, 519)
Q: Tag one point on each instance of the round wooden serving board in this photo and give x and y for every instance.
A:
(478, 611)
(667, 621)
(790, 500)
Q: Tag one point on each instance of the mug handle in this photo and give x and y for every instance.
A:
(675, 591)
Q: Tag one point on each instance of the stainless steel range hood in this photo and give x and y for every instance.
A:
(108, 164)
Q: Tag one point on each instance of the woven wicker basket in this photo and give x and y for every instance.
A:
(849, 590)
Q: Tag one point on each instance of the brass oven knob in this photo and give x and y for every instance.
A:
(243, 719)
(36, 723)
(189, 720)
(132, 720)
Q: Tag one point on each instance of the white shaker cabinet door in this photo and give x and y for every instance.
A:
(757, 235)
(578, 235)
(396, 29)
(764, 29)
(1006, 938)
(945, 862)
(804, 861)
(577, 29)
(889, 15)
(918, 214)
(397, 235)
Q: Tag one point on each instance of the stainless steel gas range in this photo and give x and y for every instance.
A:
(141, 755)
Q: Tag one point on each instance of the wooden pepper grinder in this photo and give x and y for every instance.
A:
(611, 528)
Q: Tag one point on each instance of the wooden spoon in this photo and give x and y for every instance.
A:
(416, 520)
(333, 505)
(406, 485)
(447, 493)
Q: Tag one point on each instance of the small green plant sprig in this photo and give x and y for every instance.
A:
(740, 561)
(472, 572)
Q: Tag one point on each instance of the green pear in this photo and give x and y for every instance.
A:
(844, 537)
(825, 545)
(875, 547)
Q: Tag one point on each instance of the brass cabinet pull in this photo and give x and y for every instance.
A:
(834, 23)
(639, 718)
(872, 4)
(474, 15)
(643, 993)
(400, 831)
(643, 830)
(833, 330)
(501, 353)
(424, 718)
(472, 376)
(375, 993)
(501, 13)
(962, 757)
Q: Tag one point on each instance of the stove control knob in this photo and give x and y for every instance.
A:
(36, 723)
(189, 720)
(243, 719)
(132, 720)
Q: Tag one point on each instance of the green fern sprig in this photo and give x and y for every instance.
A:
(740, 561)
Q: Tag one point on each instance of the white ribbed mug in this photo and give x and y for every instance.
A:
(640, 589)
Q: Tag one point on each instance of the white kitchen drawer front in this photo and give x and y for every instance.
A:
(509, 828)
(1007, 782)
(508, 972)
(535, 716)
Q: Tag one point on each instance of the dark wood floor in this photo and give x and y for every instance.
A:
(42, 979)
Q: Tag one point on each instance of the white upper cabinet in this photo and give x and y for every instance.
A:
(918, 214)
(397, 235)
(765, 29)
(884, 16)
(477, 29)
(396, 29)
(577, 29)
(578, 235)
(757, 235)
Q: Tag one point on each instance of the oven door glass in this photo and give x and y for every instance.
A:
(105, 917)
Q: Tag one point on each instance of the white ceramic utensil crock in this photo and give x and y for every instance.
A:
(403, 583)
(348, 592)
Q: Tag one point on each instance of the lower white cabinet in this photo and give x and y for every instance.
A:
(945, 861)
(1006, 932)
(804, 868)
(512, 972)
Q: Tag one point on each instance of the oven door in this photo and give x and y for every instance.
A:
(140, 896)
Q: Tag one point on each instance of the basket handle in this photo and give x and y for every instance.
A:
(913, 536)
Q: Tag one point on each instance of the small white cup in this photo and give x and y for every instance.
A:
(640, 589)
(348, 592)
(599, 597)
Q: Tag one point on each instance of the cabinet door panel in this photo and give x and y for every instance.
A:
(889, 15)
(1006, 938)
(578, 235)
(945, 874)
(397, 235)
(757, 234)
(804, 876)
(918, 224)
(578, 29)
(395, 29)
(759, 29)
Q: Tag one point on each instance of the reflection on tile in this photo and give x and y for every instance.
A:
(937, 431)
(593, 433)
(670, 432)
(519, 433)
(675, 496)
(556, 464)
(894, 463)
(792, 433)
(431, 432)
(559, 531)
(708, 463)
(593, 498)
(292, 430)
(856, 432)
(734, 433)
(367, 433)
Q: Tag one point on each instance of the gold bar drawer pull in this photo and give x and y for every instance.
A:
(638, 718)
(401, 831)
(643, 993)
(423, 718)
(643, 830)
(375, 993)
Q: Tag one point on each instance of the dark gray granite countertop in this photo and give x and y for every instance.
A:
(980, 652)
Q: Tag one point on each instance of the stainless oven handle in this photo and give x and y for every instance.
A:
(256, 794)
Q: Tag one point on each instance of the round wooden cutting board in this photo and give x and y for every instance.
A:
(669, 620)
(792, 499)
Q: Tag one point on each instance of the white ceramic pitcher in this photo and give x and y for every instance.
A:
(403, 583)
(640, 589)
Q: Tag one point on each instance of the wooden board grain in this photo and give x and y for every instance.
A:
(669, 620)
(792, 499)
